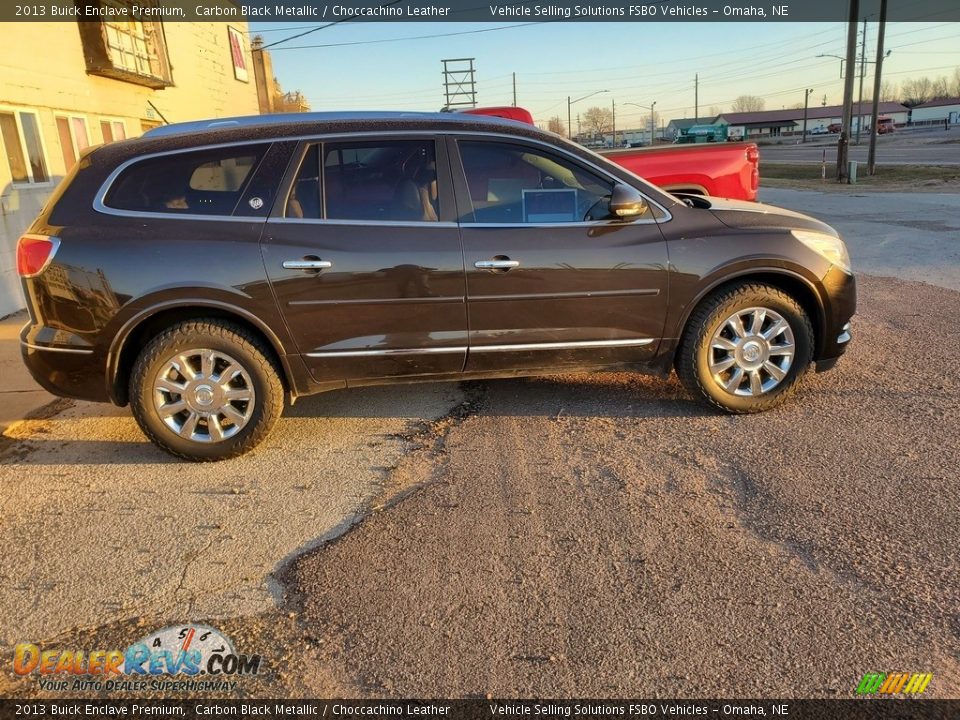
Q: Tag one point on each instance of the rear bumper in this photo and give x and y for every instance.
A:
(62, 369)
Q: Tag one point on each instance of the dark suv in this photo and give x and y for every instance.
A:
(206, 271)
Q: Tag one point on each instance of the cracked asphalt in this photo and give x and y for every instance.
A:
(574, 535)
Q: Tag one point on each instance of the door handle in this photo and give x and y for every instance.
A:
(504, 264)
(307, 264)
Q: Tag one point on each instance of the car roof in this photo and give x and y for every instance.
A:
(280, 119)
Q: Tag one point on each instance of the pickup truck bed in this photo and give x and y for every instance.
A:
(730, 170)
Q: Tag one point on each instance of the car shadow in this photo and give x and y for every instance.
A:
(80, 436)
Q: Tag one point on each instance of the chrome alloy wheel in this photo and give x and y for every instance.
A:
(204, 395)
(751, 352)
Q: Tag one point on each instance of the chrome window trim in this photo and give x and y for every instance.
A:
(101, 207)
(76, 351)
(392, 223)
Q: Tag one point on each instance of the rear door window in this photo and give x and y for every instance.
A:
(202, 182)
(391, 181)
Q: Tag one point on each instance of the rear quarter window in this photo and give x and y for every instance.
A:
(200, 182)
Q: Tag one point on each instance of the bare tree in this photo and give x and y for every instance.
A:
(598, 120)
(889, 91)
(714, 111)
(747, 103)
(940, 89)
(555, 125)
(955, 82)
(914, 92)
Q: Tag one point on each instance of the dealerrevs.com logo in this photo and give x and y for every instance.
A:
(183, 652)
(894, 683)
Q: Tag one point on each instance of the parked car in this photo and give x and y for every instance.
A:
(834, 128)
(885, 125)
(206, 272)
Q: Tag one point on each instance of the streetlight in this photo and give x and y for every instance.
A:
(570, 104)
(806, 102)
(653, 125)
(838, 57)
(863, 63)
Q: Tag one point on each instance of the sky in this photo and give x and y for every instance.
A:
(393, 66)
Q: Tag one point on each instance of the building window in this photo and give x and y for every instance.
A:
(127, 50)
(74, 139)
(113, 130)
(23, 146)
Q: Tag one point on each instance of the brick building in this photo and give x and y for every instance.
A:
(95, 82)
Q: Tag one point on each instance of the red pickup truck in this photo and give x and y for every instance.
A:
(729, 170)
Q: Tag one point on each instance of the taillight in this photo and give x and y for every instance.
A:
(34, 253)
(753, 155)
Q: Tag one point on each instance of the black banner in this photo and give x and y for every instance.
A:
(855, 709)
(324, 11)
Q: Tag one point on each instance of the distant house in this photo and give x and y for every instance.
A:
(680, 125)
(947, 109)
(774, 123)
(765, 123)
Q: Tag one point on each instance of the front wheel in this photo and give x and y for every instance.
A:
(206, 390)
(745, 348)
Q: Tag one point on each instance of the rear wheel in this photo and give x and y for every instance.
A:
(206, 390)
(745, 348)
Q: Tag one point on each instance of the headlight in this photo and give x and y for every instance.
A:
(827, 246)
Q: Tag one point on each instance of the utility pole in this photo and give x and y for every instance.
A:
(653, 122)
(696, 99)
(878, 73)
(613, 110)
(806, 101)
(863, 71)
(514, 89)
(843, 143)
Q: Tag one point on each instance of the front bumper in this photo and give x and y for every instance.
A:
(839, 306)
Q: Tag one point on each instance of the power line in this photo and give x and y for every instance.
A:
(324, 27)
(402, 39)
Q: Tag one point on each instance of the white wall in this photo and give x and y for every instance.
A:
(56, 83)
(934, 113)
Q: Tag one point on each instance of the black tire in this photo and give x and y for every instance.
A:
(694, 354)
(259, 374)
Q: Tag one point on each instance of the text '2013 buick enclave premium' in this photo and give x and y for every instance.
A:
(208, 271)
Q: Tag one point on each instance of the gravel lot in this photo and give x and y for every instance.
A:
(597, 535)
(604, 536)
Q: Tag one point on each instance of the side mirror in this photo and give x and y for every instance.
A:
(626, 201)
